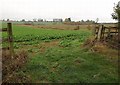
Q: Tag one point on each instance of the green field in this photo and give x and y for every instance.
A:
(29, 35)
(57, 56)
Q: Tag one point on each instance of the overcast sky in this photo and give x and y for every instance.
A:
(49, 9)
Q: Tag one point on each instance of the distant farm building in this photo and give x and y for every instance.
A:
(57, 20)
(28, 23)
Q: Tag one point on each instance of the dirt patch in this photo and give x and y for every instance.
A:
(49, 44)
(46, 45)
(60, 26)
(77, 62)
(40, 47)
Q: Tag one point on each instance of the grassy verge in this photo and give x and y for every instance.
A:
(70, 65)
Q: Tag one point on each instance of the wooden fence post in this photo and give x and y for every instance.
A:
(109, 32)
(95, 31)
(10, 39)
(103, 32)
(99, 33)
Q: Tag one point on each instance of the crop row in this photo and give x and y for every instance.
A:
(49, 37)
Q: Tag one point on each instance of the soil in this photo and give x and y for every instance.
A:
(48, 45)
(60, 27)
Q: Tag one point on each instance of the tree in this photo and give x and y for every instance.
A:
(8, 19)
(68, 20)
(87, 20)
(34, 20)
(82, 20)
(97, 20)
(40, 20)
(23, 20)
(116, 14)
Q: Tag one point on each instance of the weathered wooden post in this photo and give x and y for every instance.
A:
(103, 32)
(99, 33)
(10, 39)
(95, 31)
(108, 32)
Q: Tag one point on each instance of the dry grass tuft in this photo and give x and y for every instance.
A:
(10, 66)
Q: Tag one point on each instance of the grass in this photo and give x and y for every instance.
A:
(56, 56)
(63, 65)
